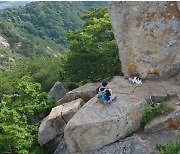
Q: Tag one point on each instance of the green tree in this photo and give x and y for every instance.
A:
(93, 53)
(151, 112)
(44, 70)
(49, 19)
(38, 29)
(18, 131)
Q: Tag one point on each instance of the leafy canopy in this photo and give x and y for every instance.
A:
(44, 70)
(93, 53)
(49, 19)
(18, 130)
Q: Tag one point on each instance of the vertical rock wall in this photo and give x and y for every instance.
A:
(148, 37)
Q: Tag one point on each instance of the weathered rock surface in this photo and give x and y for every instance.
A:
(55, 122)
(85, 92)
(58, 91)
(147, 35)
(136, 145)
(95, 125)
(51, 126)
(54, 143)
(69, 109)
(130, 145)
(62, 148)
(160, 138)
(166, 122)
(178, 79)
(160, 90)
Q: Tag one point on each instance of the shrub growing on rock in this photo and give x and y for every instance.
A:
(169, 148)
(151, 112)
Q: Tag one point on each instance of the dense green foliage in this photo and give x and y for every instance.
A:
(39, 29)
(26, 44)
(151, 112)
(93, 53)
(49, 19)
(45, 71)
(169, 148)
(18, 130)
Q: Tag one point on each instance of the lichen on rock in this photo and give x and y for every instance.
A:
(147, 35)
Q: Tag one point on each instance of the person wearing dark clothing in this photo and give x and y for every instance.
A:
(105, 94)
(108, 94)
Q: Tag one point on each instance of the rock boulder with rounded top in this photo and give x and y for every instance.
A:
(147, 35)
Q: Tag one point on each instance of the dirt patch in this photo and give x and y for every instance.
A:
(142, 134)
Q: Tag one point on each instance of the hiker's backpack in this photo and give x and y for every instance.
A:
(101, 96)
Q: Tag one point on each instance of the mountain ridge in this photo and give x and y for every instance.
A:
(39, 28)
(10, 4)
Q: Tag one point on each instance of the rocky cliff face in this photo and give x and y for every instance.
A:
(147, 35)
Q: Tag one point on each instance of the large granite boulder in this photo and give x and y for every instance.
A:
(85, 92)
(58, 91)
(138, 143)
(147, 35)
(55, 122)
(164, 122)
(129, 145)
(95, 126)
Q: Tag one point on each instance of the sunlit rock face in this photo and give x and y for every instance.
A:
(147, 35)
(95, 125)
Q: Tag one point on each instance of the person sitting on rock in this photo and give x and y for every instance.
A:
(105, 94)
